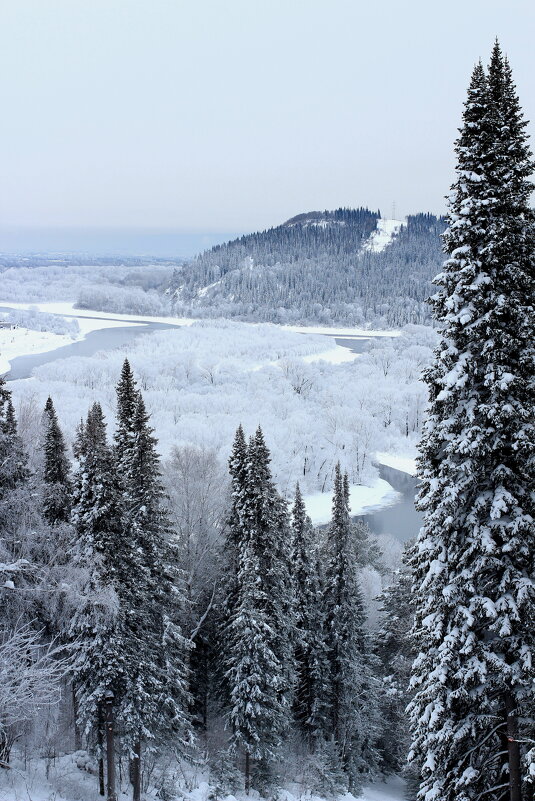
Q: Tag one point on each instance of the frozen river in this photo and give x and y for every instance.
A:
(102, 339)
(399, 520)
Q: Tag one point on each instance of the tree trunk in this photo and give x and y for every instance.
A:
(136, 772)
(100, 742)
(5, 750)
(76, 727)
(247, 772)
(513, 749)
(110, 749)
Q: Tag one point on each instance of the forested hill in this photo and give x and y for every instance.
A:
(319, 267)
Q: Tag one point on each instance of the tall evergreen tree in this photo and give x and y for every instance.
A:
(258, 632)
(395, 651)
(14, 474)
(158, 682)
(57, 489)
(235, 529)
(311, 655)
(13, 460)
(354, 703)
(127, 397)
(99, 629)
(474, 562)
(16, 520)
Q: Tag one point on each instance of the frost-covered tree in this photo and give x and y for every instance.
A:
(353, 681)
(127, 396)
(57, 489)
(395, 651)
(311, 700)
(258, 630)
(157, 696)
(13, 460)
(472, 716)
(197, 485)
(236, 531)
(31, 672)
(99, 626)
(16, 518)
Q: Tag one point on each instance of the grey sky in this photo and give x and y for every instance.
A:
(220, 115)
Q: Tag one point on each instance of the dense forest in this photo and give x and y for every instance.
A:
(233, 637)
(317, 267)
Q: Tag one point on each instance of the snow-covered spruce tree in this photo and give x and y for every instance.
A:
(395, 651)
(258, 632)
(13, 461)
(472, 716)
(271, 514)
(235, 530)
(353, 680)
(16, 518)
(157, 687)
(311, 710)
(127, 395)
(57, 489)
(98, 629)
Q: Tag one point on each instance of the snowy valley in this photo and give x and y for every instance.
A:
(266, 477)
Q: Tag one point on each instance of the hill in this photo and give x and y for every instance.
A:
(347, 265)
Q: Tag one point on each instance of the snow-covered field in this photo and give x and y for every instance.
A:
(64, 778)
(405, 463)
(340, 331)
(21, 341)
(337, 355)
(67, 309)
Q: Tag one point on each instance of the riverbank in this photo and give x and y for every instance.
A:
(20, 341)
(349, 341)
(197, 379)
(363, 500)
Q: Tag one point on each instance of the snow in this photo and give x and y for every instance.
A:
(205, 289)
(392, 789)
(21, 341)
(383, 235)
(362, 500)
(336, 331)
(337, 355)
(407, 464)
(73, 776)
(68, 309)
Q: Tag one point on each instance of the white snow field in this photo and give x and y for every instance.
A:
(71, 778)
(340, 331)
(407, 464)
(21, 341)
(386, 231)
(337, 355)
(67, 309)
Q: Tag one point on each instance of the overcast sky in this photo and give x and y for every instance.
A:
(233, 115)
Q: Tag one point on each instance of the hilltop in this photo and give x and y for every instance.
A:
(347, 265)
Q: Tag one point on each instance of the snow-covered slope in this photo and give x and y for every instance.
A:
(383, 236)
